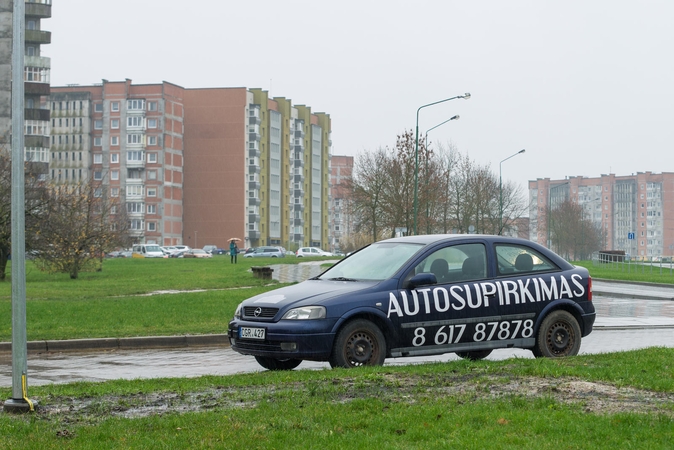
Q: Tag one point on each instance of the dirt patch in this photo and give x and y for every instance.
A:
(598, 398)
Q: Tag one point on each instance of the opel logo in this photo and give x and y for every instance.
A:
(257, 312)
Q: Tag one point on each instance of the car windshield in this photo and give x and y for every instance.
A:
(152, 248)
(377, 262)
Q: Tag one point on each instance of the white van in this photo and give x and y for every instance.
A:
(147, 251)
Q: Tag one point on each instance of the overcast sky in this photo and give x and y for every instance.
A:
(586, 87)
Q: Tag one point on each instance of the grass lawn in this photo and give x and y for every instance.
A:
(620, 400)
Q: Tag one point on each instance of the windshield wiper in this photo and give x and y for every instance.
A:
(342, 279)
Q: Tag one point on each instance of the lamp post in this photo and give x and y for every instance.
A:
(416, 153)
(426, 142)
(500, 192)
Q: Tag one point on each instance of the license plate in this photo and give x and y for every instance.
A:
(251, 333)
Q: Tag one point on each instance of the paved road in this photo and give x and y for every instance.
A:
(622, 324)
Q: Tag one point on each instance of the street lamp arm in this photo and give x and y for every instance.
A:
(416, 153)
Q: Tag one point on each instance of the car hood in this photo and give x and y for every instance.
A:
(314, 292)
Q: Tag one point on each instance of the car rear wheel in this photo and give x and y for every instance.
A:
(359, 343)
(474, 355)
(277, 364)
(558, 336)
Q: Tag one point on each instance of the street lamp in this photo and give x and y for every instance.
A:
(500, 192)
(426, 142)
(416, 153)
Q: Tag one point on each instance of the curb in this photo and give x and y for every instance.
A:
(132, 343)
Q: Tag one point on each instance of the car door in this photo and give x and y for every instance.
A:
(446, 316)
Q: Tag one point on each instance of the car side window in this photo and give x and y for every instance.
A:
(516, 260)
(455, 263)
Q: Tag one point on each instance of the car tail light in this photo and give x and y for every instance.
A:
(589, 289)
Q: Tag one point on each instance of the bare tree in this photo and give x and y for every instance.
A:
(80, 225)
(570, 234)
(35, 195)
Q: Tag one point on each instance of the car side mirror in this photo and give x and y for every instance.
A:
(421, 279)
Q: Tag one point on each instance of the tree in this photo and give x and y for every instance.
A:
(35, 195)
(571, 235)
(80, 225)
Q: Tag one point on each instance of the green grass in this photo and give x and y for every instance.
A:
(110, 303)
(459, 404)
(635, 272)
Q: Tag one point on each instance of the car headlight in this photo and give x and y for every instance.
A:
(237, 313)
(305, 313)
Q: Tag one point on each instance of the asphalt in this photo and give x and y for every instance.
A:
(302, 271)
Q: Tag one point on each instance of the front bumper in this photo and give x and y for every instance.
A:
(286, 339)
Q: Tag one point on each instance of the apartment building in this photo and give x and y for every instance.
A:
(635, 212)
(128, 138)
(36, 80)
(199, 166)
(341, 169)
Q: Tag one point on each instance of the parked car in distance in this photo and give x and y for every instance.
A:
(169, 249)
(210, 248)
(197, 253)
(147, 251)
(183, 248)
(265, 252)
(419, 296)
(312, 251)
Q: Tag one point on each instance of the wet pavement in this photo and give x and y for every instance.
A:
(624, 322)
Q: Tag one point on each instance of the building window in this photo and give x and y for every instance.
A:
(152, 123)
(114, 106)
(134, 121)
(152, 209)
(98, 141)
(134, 138)
(136, 224)
(151, 106)
(151, 226)
(98, 124)
(114, 158)
(152, 140)
(136, 156)
(114, 124)
(151, 174)
(152, 157)
(98, 175)
(114, 175)
(134, 190)
(98, 107)
(98, 158)
(151, 192)
(135, 104)
(114, 140)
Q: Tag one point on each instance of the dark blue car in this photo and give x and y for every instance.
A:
(422, 295)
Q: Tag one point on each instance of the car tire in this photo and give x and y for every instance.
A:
(558, 336)
(359, 343)
(277, 364)
(474, 355)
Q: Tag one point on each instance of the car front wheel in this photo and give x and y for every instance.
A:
(277, 364)
(558, 336)
(359, 343)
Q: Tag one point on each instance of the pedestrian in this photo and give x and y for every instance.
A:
(233, 251)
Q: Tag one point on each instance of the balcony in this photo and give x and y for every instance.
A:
(252, 169)
(298, 179)
(36, 141)
(298, 163)
(298, 237)
(136, 163)
(254, 152)
(252, 201)
(253, 185)
(253, 136)
(253, 235)
(38, 8)
(33, 88)
(38, 37)
(36, 114)
(298, 222)
(253, 218)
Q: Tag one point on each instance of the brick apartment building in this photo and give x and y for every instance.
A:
(341, 224)
(198, 166)
(635, 212)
